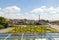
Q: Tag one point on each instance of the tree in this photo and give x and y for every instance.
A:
(25, 23)
(30, 23)
(3, 22)
(5, 25)
(1, 26)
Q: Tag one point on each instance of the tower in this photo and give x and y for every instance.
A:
(39, 17)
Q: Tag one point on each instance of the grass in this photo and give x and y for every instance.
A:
(52, 30)
(31, 29)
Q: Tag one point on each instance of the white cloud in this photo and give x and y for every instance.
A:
(12, 9)
(0, 8)
(10, 12)
(48, 13)
(57, 9)
(44, 9)
(41, 9)
(2, 14)
(55, 17)
(52, 10)
(37, 10)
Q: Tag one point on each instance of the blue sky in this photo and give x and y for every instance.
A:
(26, 6)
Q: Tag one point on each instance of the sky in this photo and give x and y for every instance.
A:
(30, 9)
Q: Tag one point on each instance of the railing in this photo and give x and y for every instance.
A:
(29, 36)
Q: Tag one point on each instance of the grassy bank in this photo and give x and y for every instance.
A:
(32, 29)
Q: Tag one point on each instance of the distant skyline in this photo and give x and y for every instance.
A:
(30, 9)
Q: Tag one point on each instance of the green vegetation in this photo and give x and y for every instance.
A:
(3, 23)
(52, 30)
(31, 29)
(1, 26)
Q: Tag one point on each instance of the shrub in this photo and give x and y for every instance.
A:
(1, 26)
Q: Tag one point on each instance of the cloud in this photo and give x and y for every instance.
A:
(0, 8)
(14, 12)
(2, 14)
(55, 17)
(44, 9)
(47, 12)
(40, 10)
(57, 9)
(52, 10)
(10, 12)
(12, 9)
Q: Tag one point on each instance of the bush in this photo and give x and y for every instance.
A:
(6, 25)
(1, 26)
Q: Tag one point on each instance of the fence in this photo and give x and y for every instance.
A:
(30, 32)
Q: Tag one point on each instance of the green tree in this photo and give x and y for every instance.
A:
(30, 23)
(25, 23)
(3, 22)
(1, 26)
